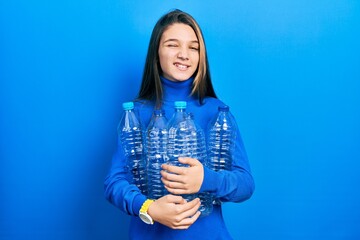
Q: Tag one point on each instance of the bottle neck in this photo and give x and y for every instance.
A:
(180, 109)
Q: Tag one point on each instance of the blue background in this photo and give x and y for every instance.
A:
(290, 70)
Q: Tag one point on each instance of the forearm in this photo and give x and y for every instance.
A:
(127, 197)
(229, 186)
(235, 185)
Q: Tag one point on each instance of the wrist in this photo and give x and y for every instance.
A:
(210, 181)
(143, 213)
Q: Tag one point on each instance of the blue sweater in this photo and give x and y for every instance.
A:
(236, 185)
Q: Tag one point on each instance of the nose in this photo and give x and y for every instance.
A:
(183, 54)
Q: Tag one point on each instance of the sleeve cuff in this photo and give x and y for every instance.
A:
(137, 203)
(210, 182)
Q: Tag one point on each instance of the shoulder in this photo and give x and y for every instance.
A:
(144, 109)
(207, 110)
(141, 104)
(213, 102)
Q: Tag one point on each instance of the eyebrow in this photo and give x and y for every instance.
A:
(177, 40)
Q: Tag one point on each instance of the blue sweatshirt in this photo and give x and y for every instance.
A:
(236, 185)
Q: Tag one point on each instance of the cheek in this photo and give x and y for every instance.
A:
(196, 59)
(162, 59)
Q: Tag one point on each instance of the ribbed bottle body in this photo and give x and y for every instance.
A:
(156, 151)
(199, 152)
(180, 140)
(221, 140)
(186, 139)
(130, 136)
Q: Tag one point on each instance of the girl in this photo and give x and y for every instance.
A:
(177, 69)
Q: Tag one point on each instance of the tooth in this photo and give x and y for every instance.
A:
(182, 67)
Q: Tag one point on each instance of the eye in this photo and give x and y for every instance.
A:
(172, 45)
(194, 48)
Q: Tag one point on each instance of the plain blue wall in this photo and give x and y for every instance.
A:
(290, 70)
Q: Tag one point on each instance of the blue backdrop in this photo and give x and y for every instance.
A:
(290, 70)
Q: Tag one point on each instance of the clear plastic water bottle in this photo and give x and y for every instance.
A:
(156, 144)
(180, 141)
(130, 136)
(199, 153)
(221, 141)
(183, 141)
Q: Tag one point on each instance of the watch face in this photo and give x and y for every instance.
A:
(146, 218)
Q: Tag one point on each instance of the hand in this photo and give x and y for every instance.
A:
(174, 211)
(183, 180)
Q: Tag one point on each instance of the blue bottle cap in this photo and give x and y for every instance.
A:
(180, 104)
(128, 105)
(224, 108)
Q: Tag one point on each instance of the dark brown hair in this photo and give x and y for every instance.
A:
(151, 84)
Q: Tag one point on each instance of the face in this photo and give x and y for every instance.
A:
(178, 52)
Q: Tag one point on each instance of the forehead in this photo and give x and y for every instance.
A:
(179, 31)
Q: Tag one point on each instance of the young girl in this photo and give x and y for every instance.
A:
(177, 69)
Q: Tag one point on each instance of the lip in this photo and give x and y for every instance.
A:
(181, 66)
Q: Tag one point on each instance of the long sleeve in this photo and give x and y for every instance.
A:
(236, 185)
(127, 197)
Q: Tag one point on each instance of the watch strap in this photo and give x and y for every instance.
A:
(144, 208)
(144, 216)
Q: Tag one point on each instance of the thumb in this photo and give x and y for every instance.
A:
(189, 161)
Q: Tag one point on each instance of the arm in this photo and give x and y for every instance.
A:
(172, 211)
(118, 191)
(236, 185)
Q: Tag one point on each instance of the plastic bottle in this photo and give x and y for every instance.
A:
(200, 153)
(156, 143)
(130, 135)
(180, 141)
(183, 142)
(221, 141)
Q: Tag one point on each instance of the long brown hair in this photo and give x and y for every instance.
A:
(151, 84)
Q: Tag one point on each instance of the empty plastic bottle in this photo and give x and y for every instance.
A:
(221, 141)
(199, 153)
(130, 135)
(180, 141)
(183, 142)
(156, 143)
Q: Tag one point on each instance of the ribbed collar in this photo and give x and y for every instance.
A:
(177, 91)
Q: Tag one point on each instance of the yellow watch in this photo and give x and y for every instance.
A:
(144, 216)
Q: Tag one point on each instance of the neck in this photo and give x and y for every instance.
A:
(177, 91)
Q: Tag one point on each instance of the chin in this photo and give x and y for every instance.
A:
(181, 78)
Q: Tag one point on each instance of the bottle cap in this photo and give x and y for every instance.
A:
(128, 105)
(180, 104)
(224, 108)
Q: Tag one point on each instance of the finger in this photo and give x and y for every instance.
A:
(191, 212)
(173, 169)
(177, 191)
(193, 204)
(189, 161)
(171, 177)
(187, 222)
(174, 185)
(175, 199)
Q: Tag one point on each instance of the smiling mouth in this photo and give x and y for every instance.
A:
(181, 67)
